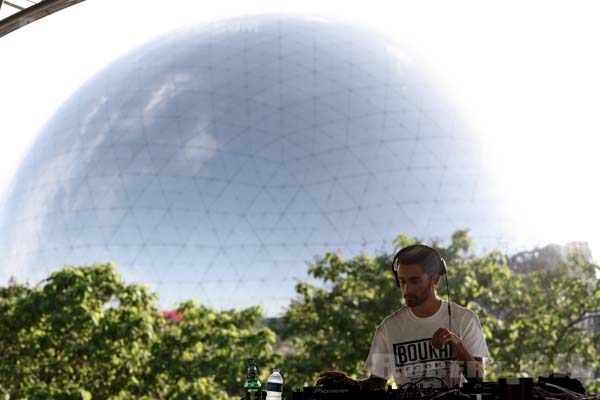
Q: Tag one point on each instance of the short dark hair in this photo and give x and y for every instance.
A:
(427, 257)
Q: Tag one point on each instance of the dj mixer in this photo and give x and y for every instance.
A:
(503, 389)
(317, 393)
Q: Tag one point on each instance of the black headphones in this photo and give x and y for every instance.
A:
(442, 268)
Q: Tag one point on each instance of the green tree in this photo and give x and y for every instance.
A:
(331, 327)
(207, 342)
(82, 329)
(534, 323)
(84, 334)
(525, 317)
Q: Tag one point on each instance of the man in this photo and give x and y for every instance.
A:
(428, 342)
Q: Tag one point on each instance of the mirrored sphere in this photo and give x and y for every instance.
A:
(215, 162)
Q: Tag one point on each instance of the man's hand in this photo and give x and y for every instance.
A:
(472, 367)
(442, 337)
(336, 379)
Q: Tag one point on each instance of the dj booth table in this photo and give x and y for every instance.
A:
(504, 389)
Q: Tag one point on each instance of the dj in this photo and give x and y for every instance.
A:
(429, 342)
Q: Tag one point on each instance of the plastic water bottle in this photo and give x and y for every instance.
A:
(274, 385)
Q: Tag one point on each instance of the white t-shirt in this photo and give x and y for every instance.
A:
(402, 346)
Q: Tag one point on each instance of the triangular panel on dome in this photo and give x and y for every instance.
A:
(161, 130)
(163, 234)
(443, 227)
(304, 220)
(229, 136)
(335, 53)
(208, 188)
(375, 158)
(322, 82)
(204, 236)
(329, 239)
(456, 189)
(122, 254)
(86, 236)
(355, 186)
(134, 186)
(153, 197)
(141, 164)
(438, 121)
(427, 155)
(326, 136)
(469, 153)
(196, 78)
(223, 168)
(96, 254)
(128, 225)
(188, 198)
(421, 214)
(123, 154)
(149, 72)
(295, 122)
(92, 132)
(400, 222)
(188, 258)
(333, 107)
(236, 198)
(371, 124)
(262, 202)
(360, 236)
(109, 192)
(184, 163)
(298, 75)
(222, 268)
(189, 103)
(77, 195)
(275, 255)
(242, 235)
(361, 107)
(255, 172)
(305, 200)
(100, 161)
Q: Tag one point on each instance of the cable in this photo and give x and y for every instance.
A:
(407, 391)
(562, 389)
(432, 378)
(448, 297)
(439, 396)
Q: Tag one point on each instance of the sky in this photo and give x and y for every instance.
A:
(524, 74)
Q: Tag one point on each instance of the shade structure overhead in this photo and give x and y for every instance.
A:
(15, 14)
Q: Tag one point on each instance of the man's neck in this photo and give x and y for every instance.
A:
(428, 308)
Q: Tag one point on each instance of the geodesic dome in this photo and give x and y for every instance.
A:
(216, 161)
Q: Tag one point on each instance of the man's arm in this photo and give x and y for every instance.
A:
(340, 380)
(472, 366)
(372, 383)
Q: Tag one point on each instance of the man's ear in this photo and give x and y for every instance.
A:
(435, 279)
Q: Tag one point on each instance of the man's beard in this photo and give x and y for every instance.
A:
(412, 300)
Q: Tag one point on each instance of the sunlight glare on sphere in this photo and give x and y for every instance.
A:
(215, 162)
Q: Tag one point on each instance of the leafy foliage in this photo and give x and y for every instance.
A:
(82, 328)
(209, 341)
(332, 327)
(531, 322)
(84, 334)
